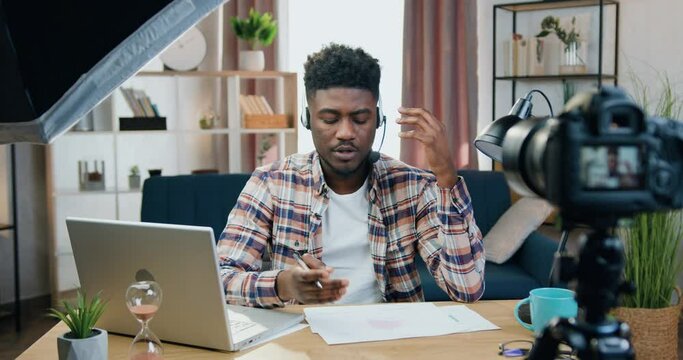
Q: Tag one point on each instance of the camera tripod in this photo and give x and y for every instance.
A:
(592, 335)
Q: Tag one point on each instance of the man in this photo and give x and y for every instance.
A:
(358, 219)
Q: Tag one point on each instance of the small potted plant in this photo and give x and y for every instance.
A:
(83, 341)
(571, 62)
(208, 120)
(255, 29)
(134, 178)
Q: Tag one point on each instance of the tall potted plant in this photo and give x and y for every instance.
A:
(255, 29)
(653, 263)
(83, 341)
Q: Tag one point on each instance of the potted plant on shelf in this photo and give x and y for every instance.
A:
(134, 178)
(208, 119)
(571, 61)
(653, 262)
(255, 29)
(83, 341)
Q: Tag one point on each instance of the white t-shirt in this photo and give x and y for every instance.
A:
(346, 247)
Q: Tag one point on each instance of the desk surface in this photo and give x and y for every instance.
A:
(305, 345)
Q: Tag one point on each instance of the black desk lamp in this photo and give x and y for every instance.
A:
(490, 141)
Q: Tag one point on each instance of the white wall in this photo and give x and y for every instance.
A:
(376, 26)
(647, 42)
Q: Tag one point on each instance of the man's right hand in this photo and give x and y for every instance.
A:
(299, 284)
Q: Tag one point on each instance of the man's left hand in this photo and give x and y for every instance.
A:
(431, 132)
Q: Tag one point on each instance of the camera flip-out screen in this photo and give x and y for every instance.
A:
(611, 167)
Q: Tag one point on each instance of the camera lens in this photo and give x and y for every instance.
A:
(524, 153)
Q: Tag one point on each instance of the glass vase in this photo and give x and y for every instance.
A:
(572, 59)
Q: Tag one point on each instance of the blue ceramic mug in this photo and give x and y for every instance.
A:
(545, 304)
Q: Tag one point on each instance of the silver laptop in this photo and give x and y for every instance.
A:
(110, 255)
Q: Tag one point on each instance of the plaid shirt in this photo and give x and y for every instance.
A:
(281, 207)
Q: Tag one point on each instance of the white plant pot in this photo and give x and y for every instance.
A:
(133, 182)
(252, 60)
(92, 348)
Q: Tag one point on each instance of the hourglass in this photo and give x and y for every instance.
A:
(143, 299)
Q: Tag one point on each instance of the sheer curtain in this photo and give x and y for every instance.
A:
(440, 73)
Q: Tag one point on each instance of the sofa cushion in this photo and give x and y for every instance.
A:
(509, 233)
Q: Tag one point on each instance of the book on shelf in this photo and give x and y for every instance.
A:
(515, 55)
(244, 105)
(255, 105)
(258, 114)
(255, 109)
(139, 103)
(146, 105)
(266, 105)
(132, 103)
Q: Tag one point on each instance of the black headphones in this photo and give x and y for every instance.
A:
(306, 117)
(374, 156)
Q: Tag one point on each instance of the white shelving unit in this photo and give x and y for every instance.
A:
(181, 97)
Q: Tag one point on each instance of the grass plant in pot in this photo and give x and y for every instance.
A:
(257, 29)
(83, 341)
(653, 262)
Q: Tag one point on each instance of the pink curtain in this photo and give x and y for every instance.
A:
(231, 48)
(439, 73)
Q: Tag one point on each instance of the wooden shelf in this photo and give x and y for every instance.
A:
(552, 4)
(222, 74)
(84, 133)
(557, 77)
(268, 131)
(217, 131)
(145, 132)
(75, 192)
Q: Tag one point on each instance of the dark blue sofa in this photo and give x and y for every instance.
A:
(206, 200)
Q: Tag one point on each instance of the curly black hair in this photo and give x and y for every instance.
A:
(341, 66)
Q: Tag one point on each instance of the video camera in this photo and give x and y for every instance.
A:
(602, 157)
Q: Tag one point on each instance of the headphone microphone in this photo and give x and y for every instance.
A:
(374, 156)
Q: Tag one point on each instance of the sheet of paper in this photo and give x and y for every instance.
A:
(467, 320)
(351, 324)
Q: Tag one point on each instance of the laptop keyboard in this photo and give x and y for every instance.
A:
(238, 325)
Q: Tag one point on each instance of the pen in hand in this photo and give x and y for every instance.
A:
(303, 265)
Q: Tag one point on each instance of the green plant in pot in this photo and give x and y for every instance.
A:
(653, 261)
(134, 178)
(257, 29)
(571, 61)
(83, 341)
